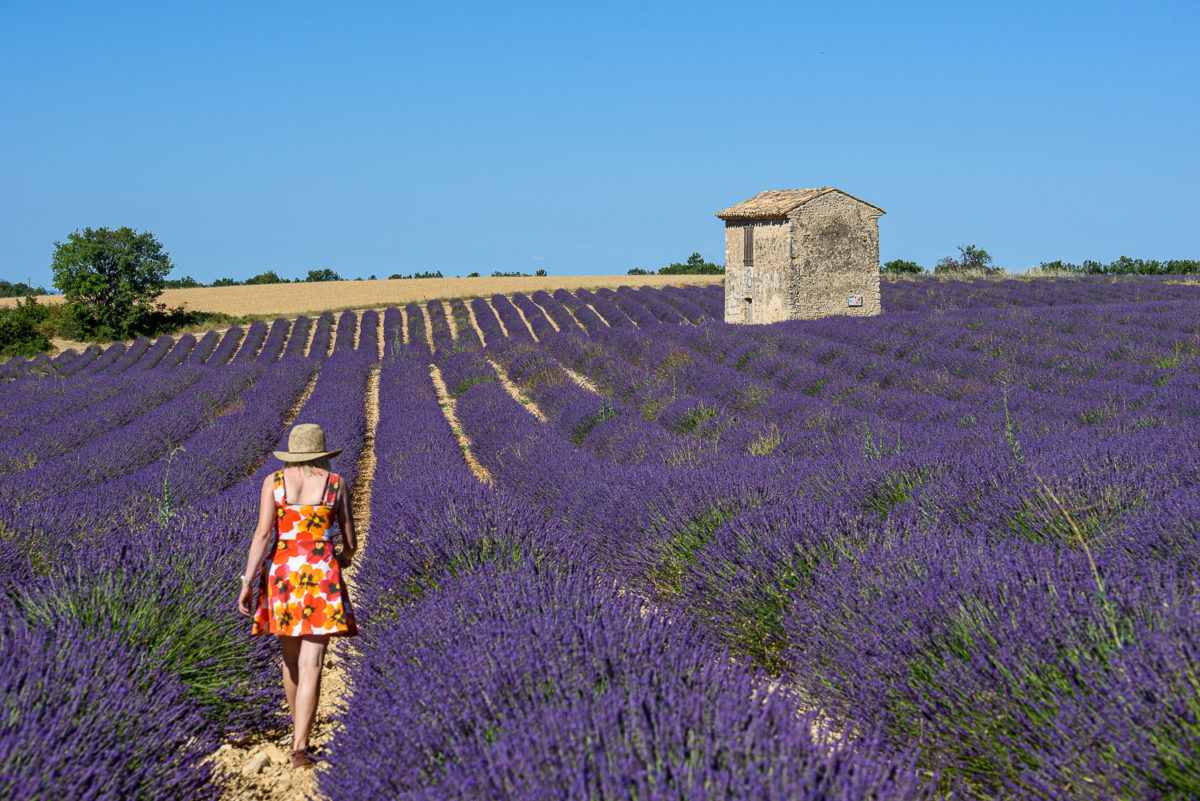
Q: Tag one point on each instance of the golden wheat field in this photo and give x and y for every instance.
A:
(309, 298)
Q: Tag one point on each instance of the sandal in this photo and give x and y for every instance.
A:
(303, 759)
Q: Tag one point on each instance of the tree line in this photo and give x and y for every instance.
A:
(972, 259)
(19, 290)
(272, 277)
(1127, 266)
(695, 265)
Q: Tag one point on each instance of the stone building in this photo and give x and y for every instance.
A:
(800, 253)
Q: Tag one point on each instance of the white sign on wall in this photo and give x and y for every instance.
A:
(854, 300)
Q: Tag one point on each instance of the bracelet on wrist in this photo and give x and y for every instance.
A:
(245, 580)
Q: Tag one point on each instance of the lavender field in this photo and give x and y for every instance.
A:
(619, 549)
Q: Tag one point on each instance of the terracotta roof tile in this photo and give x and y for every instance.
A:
(777, 203)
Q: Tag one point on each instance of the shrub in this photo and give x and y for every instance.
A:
(900, 267)
(323, 274)
(268, 277)
(20, 334)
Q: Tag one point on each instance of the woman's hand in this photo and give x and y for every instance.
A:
(243, 600)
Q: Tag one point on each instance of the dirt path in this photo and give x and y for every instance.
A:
(554, 322)
(381, 338)
(524, 320)
(242, 346)
(503, 327)
(549, 319)
(260, 769)
(475, 323)
(333, 338)
(579, 379)
(428, 326)
(464, 444)
(450, 321)
(312, 332)
(241, 341)
(598, 314)
(516, 393)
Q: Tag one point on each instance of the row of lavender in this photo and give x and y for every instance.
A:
(22, 381)
(937, 295)
(493, 666)
(126, 664)
(926, 584)
(689, 497)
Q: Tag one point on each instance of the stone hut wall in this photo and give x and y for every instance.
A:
(766, 282)
(835, 254)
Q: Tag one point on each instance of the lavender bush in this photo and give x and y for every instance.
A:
(957, 540)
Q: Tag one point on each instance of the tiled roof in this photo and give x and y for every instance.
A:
(776, 203)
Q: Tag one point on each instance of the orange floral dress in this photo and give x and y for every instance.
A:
(300, 589)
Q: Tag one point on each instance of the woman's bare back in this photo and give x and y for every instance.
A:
(304, 490)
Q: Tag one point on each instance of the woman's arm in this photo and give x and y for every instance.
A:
(345, 517)
(258, 543)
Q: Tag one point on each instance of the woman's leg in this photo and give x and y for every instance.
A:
(308, 688)
(290, 648)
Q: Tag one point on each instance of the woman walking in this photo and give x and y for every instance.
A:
(301, 596)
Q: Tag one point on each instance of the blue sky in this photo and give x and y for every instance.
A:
(375, 138)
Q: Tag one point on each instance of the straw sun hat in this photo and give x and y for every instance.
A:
(305, 443)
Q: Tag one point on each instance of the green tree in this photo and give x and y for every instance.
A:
(19, 332)
(225, 282)
(540, 273)
(1059, 266)
(637, 271)
(110, 280)
(19, 290)
(970, 259)
(901, 267)
(187, 282)
(268, 277)
(695, 265)
(324, 274)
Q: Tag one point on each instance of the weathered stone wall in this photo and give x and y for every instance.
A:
(734, 240)
(766, 282)
(835, 254)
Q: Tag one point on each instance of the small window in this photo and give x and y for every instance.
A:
(749, 306)
(748, 245)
